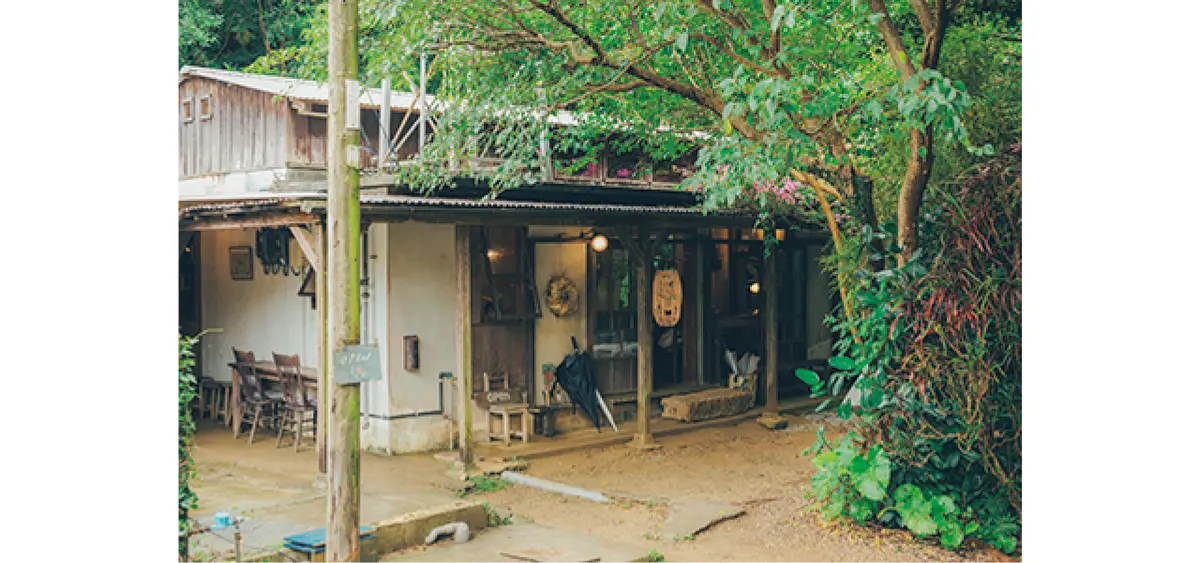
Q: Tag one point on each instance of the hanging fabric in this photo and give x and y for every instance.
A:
(668, 297)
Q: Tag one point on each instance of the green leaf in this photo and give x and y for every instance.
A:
(841, 362)
(681, 41)
(844, 411)
(871, 489)
(952, 535)
(920, 523)
(823, 404)
(777, 17)
(808, 376)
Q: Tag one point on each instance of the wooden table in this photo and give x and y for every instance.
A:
(268, 371)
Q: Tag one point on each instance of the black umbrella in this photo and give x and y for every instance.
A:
(577, 379)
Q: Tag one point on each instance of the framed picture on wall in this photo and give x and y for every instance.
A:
(241, 262)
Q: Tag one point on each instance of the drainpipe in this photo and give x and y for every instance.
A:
(367, 329)
(442, 377)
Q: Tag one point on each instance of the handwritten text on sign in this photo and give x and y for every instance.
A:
(356, 364)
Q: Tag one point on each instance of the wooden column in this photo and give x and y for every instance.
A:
(770, 284)
(323, 371)
(312, 244)
(771, 330)
(343, 260)
(462, 261)
(642, 248)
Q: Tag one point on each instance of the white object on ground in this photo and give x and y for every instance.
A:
(461, 532)
(552, 486)
(603, 405)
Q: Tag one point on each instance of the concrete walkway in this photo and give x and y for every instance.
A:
(280, 493)
(530, 542)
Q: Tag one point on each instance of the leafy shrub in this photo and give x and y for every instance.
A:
(933, 347)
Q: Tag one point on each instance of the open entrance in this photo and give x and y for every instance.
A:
(612, 307)
(504, 305)
(737, 297)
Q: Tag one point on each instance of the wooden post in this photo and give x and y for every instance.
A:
(462, 260)
(385, 124)
(771, 329)
(343, 257)
(770, 284)
(312, 244)
(424, 108)
(644, 271)
(323, 364)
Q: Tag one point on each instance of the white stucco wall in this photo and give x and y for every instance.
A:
(263, 315)
(552, 335)
(422, 292)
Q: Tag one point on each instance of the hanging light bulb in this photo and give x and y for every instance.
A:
(599, 243)
(754, 287)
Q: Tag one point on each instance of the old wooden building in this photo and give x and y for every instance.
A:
(455, 282)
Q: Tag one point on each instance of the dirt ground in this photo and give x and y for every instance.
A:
(743, 465)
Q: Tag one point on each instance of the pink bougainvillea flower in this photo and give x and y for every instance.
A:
(624, 173)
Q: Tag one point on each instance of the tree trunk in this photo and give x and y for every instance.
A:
(908, 208)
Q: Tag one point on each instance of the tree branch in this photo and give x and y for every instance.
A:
(728, 50)
(921, 7)
(893, 40)
(768, 7)
(736, 20)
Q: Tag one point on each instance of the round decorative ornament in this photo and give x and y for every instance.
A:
(562, 296)
(668, 297)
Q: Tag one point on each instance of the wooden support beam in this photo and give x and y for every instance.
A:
(462, 262)
(256, 222)
(308, 245)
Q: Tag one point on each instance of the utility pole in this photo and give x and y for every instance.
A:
(344, 257)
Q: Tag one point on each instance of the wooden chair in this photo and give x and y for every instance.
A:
(506, 411)
(296, 403)
(254, 398)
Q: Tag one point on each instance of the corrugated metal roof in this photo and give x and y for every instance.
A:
(295, 88)
(241, 204)
(415, 201)
(312, 91)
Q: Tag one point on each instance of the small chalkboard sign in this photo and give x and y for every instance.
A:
(357, 363)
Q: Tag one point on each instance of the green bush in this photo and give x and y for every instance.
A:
(934, 347)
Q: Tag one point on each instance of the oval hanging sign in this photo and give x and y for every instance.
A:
(668, 297)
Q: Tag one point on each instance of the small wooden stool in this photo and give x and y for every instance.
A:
(206, 390)
(505, 412)
(543, 420)
(221, 396)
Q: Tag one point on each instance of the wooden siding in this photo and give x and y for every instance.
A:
(247, 130)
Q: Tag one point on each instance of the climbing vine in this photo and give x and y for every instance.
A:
(187, 428)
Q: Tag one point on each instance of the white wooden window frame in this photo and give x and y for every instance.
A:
(187, 108)
(205, 100)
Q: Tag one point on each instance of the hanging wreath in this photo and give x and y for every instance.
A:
(562, 296)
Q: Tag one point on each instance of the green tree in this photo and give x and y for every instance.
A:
(235, 33)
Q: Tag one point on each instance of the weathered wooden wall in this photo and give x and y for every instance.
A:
(247, 130)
